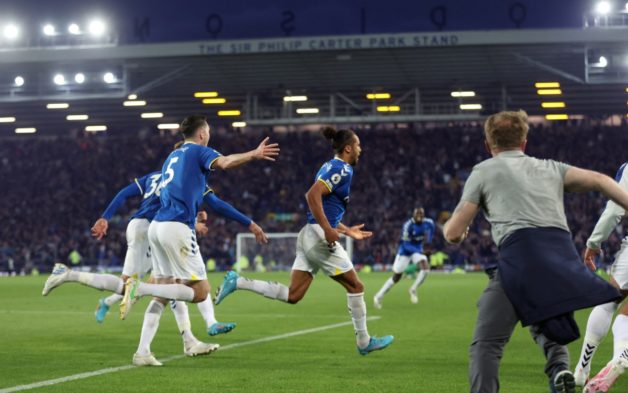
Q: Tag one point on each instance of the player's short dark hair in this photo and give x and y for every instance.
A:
(338, 138)
(191, 124)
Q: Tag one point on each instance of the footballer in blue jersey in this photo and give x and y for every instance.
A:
(415, 233)
(601, 317)
(317, 243)
(176, 256)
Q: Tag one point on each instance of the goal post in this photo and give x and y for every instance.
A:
(278, 254)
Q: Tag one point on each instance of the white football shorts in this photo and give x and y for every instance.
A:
(313, 253)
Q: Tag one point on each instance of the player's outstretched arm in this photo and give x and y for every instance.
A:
(354, 231)
(226, 210)
(457, 227)
(264, 151)
(583, 180)
(314, 197)
(99, 230)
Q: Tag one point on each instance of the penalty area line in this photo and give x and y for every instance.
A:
(110, 370)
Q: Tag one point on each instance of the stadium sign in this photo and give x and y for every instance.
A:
(329, 43)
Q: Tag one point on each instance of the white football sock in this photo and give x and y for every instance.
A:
(419, 279)
(206, 308)
(99, 281)
(149, 326)
(620, 332)
(167, 291)
(598, 325)
(385, 288)
(113, 299)
(357, 309)
(182, 316)
(270, 289)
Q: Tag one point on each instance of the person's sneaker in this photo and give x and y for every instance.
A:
(377, 302)
(200, 348)
(101, 310)
(220, 328)
(413, 296)
(229, 285)
(58, 276)
(564, 382)
(145, 360)
(130, 296)
(603, 381)
(376, 344)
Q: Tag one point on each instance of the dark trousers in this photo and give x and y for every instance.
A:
(496, 321)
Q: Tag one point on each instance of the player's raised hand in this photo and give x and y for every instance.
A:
(266, 151)
(260, 236)
(357, 233)
(589, 258)
(99, 230)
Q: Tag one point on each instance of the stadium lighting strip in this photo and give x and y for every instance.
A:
(549, 105)
(96, 128)
(206, 94)
(77, 117)
(547, 85)
(549, 92)
(470, 107)
(238, 124)
(460, 94)
(231, 112)
(134, 103)
(551, 88)
(26, 130)
(378, 96)
(168, 126)
(556, 116)
(214, 100)
(303, 111)
(7, 119)
(132, 97)
(294, 98)
(392, 108)
(152, 115)
(58, 105)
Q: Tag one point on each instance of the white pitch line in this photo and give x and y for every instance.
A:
(110, 370)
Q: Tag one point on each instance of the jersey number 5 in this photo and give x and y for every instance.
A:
(169, 172)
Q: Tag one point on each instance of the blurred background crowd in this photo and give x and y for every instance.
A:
(54, 188)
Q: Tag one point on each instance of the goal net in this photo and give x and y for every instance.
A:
(278, 254)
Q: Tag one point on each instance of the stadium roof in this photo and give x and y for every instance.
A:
(419, 70)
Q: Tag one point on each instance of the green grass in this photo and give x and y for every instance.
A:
(46, 338)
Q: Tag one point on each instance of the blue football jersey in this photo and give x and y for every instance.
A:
(413, 234)
(149, 187)
(183, 180)
(336, 175)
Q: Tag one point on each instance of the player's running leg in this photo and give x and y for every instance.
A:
(62, 274)
(269, 289)
(143, 356)
(191, 345)
(598, 326)
(357, 309)
(399, 265)
(425, 269)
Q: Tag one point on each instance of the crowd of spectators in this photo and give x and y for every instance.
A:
(54, 188)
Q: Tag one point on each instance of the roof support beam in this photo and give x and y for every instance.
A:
(549, 68)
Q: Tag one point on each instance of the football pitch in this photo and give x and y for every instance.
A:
(276, 347)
